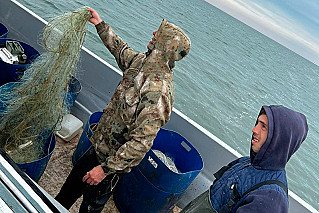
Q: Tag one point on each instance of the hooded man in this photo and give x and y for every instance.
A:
(141, 104)
(257, 183)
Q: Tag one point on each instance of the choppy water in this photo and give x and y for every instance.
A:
(231, 71)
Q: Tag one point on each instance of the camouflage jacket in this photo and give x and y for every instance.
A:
(141, 104)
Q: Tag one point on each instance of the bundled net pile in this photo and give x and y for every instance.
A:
(167, 160)
(35, 105)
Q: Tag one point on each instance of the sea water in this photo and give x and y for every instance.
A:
(230, 72)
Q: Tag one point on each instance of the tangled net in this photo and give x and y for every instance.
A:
(35, 105)
(168, 161)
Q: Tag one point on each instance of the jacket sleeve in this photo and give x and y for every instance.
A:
(264, 201)
(120, 50)
(153, 112)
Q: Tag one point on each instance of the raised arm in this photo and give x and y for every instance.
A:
(120, 50)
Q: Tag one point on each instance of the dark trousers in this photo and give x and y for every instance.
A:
(94, 196)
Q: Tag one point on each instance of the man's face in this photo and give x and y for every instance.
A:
(260, 132)
(152, 41)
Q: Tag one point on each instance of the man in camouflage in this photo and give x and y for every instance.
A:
(141, 104)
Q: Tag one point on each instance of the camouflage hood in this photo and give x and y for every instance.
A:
(171, 44)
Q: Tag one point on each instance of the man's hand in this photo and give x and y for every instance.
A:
(95, 176)
(95, 17)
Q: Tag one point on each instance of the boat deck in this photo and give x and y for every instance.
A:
(99, 80)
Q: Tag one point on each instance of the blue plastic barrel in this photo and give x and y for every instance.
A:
(3, 31)
(73, 91)
(12, 72)
(84, 141)
(36, 168)
(152, 186)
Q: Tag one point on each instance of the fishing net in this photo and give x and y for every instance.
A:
(167, 160)
(36, 103)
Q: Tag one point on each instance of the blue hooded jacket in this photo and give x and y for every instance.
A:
(287, 129)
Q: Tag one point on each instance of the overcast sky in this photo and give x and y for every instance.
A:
(292, 23)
